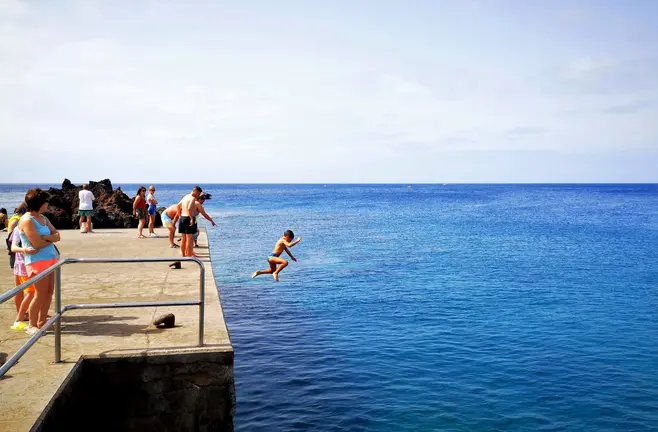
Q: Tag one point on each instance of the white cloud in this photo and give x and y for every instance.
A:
(586, 68)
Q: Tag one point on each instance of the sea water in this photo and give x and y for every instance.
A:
(438, 307)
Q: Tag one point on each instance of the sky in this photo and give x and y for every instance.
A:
(340, 91)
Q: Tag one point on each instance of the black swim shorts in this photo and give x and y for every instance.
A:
(185, 225)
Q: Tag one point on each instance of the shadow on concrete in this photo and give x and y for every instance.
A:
(102, 325)
(87, 318)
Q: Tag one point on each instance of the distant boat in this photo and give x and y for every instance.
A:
(409, 186)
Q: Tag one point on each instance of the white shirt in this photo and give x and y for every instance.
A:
(150, 199)
(86, 199)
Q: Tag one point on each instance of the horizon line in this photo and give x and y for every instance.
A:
(352, 183)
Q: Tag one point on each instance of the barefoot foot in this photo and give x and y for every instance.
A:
(275, 276)
(254, 275)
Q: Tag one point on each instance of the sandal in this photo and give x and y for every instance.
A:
(19, 326)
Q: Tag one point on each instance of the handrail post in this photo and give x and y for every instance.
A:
(58, 311)
(202, 300)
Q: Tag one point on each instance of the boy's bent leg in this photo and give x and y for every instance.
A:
(282, 264)
(270, 270)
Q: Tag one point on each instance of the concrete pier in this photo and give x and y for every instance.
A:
(116, 366)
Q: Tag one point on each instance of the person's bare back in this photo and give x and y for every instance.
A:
(188, 206)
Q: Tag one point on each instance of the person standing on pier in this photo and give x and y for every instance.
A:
(187, 226)
(201, 211)
(169, 219)
(139, 210)
(152, 210)
(38, 233)
(85, 208)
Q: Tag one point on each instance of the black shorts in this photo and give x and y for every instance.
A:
(185, 225)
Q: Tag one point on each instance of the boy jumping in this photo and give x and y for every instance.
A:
(275, 259)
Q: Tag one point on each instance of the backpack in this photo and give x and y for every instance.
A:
(12, 256)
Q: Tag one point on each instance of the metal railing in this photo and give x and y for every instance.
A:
(56, 319)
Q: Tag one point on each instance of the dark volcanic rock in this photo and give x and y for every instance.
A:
(112, 208)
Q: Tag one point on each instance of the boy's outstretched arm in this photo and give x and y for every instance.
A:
(290, 254)
(291, 244)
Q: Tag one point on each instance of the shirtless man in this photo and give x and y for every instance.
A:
(186, 226)
(169, 218)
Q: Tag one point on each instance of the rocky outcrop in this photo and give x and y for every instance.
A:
(112, 207)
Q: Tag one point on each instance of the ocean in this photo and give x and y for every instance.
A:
(438, 307)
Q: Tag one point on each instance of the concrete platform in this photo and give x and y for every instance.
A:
(30, 385)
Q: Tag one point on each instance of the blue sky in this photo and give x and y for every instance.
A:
(333, 91)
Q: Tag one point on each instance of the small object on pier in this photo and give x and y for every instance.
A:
(165, 321)
(175, 265)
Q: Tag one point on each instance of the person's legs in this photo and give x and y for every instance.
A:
(25, 305)
(40, 294)
(151, 224)
(189, 245)
(45, 306)
(172, 234)
(270, 270)
(183, 224)
(140, 227)
(282, 264)
(18, 298)
(183, 244)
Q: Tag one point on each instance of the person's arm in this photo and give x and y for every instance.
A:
(17, 249)
(291, 244)
(32, 234)
(135, 204)
(177, 216)
(54, 234)
(201, 210)
(289, 253)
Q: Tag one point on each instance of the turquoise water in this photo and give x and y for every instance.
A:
(456, 307)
